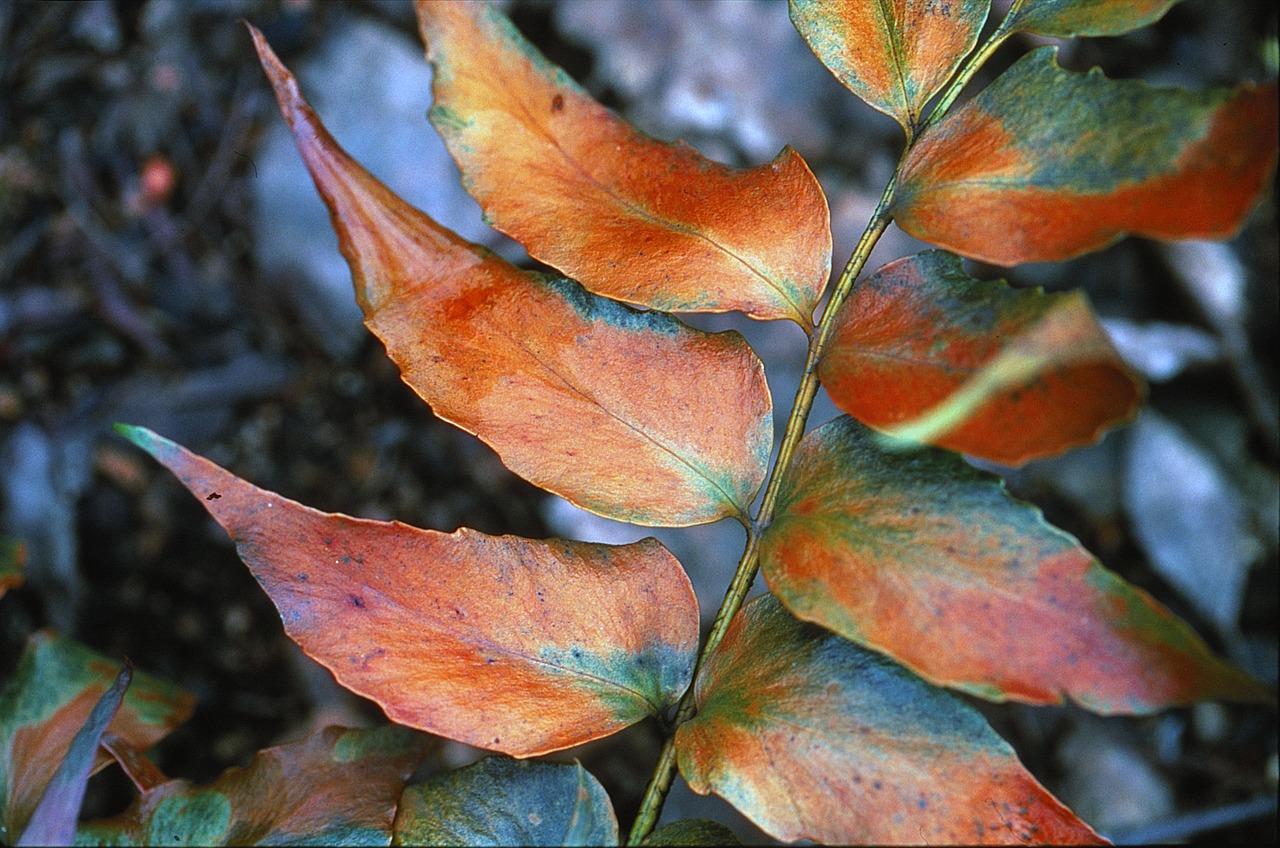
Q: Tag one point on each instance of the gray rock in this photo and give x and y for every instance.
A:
(1189, 518)
(372, 88)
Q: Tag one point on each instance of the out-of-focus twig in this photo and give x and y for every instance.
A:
(76, 187)
(245, 103)
(1215, 279)
(1194, 824)
(118, 311)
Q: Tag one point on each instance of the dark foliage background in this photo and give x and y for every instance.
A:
(141, 280)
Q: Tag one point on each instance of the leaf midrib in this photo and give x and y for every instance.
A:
(588, 398)
(895, 56)
(409, 613)
(643, 213)
(933, 364)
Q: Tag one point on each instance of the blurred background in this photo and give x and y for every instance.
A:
(164, 261)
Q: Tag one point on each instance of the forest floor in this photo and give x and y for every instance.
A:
(150, 273)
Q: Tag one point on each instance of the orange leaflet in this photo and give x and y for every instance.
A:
(894, 55)
(813, 737)
(1069, 18)
(337, 787)
(926, 352)
(928, 560)
(632, 415)
(52, 693)
(504, 643)
(635, 219)
(143, 773)
(1023, 172)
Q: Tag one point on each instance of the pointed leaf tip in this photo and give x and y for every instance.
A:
(925, 352)
(632, 218)
(923, 557)
(1071, 18)
(504, 643)
(1022, 172)
(139, 436)
(813, 737)
(339, 786)
(295, 109)
(894, 56)
(293, 106)
(375, 228)
(53, 822)
(632, 415)
(50, 698)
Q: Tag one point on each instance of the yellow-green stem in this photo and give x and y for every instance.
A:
(970, 67)
(665, 771)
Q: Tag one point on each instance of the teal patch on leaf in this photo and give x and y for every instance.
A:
(51, 695)
(389, 741)
(424, 622)
(1076, 147)
(1070, 18)
(336, 787)
(200, 818)
(1046, 164)
(651, 678)
(499, 801)
(894, 56)
(447, 120)
(813, 737)
(592, 307)
(921, 556)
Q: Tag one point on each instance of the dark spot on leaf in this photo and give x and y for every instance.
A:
(557, 103)
(301, 576)
(356, 601)
(212, 496)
